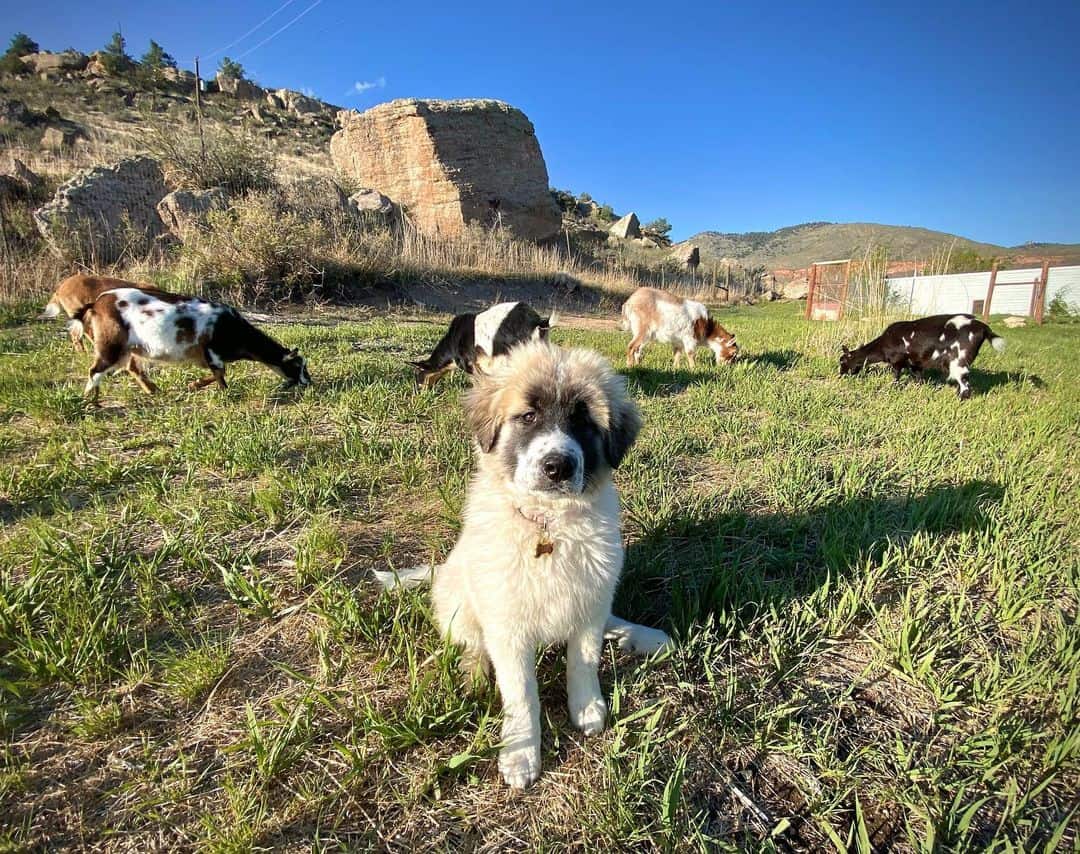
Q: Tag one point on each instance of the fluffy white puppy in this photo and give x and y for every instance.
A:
(541, 550)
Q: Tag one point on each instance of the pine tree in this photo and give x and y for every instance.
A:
(114, 57)
(231, 68)
(156, 58)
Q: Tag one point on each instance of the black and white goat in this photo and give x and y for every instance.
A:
(945, 341)
(473, 340)
(130, 325)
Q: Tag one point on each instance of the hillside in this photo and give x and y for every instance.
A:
(797, 246)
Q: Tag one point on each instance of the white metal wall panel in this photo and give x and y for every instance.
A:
(1064, 282)
(958, 292)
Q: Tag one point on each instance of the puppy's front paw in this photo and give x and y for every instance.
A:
(519, 766)
(590, 717)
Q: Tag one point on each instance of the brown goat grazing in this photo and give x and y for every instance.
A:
(129, 325)
(651, 314)
(77, 292)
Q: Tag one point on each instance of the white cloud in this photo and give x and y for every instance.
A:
(361, 86)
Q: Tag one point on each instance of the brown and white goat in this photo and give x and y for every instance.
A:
(130, 325)
(75, 293)
(654, 315)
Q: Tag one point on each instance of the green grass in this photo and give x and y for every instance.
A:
(873, 586)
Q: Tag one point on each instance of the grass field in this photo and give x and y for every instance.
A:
(874, 588)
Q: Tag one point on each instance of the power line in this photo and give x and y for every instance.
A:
(265, 20)
(280, 30)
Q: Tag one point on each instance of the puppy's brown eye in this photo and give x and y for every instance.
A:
(528, 417)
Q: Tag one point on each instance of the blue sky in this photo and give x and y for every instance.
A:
(732, 117)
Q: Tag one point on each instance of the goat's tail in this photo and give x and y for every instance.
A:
(51, 310)
(78, 321)
(996, 341)
(414, 576)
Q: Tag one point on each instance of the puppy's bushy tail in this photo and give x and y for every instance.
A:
(51, 310)
(414, 576)
(624, 322)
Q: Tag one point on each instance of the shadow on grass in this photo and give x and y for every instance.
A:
(667, 383)
(781, 360)
(986, 380)
(686, 568)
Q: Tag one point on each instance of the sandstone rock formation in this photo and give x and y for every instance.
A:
(687, 255)
(20, 182)
(45, 62)
(103, 211)
(627, 227)
(297, 103)
(61, 137)
(451, 163)
(240, 88)
(797, 288)
(184, 209)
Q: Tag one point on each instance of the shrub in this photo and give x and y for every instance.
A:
(605, 214)
(254, 244)
(237, 162)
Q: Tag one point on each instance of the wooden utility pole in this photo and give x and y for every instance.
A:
(811, 286)
(1038, 294)
(990, 291)
(198, 108)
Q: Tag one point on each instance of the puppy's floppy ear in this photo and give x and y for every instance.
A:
(483, 413)
(623, 427)
(844, 348)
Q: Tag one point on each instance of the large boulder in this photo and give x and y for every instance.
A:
(103, 211)
(686, 255)
(69, 61)
(20, 182)
(797, 288)
(179, 77)
(239, 88)
(371, 204)
(181, 210)
(16, 114)
(298, 103)
(451, 163)
(627, 227)
(62, 136)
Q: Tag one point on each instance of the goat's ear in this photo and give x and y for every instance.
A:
(623, 427)
(844, 347)
(483, 412)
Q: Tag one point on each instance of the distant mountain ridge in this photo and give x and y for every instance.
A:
(795, 247)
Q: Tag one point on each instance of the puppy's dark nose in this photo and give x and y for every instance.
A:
(558, 467)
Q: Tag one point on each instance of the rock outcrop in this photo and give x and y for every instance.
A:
(451, 163)
(69, 61)
(20, 182)
(239, 88)
(103, 211)
(185, 209)
(371, 204)
(627, 227)
(687, 255)
(298, 104)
